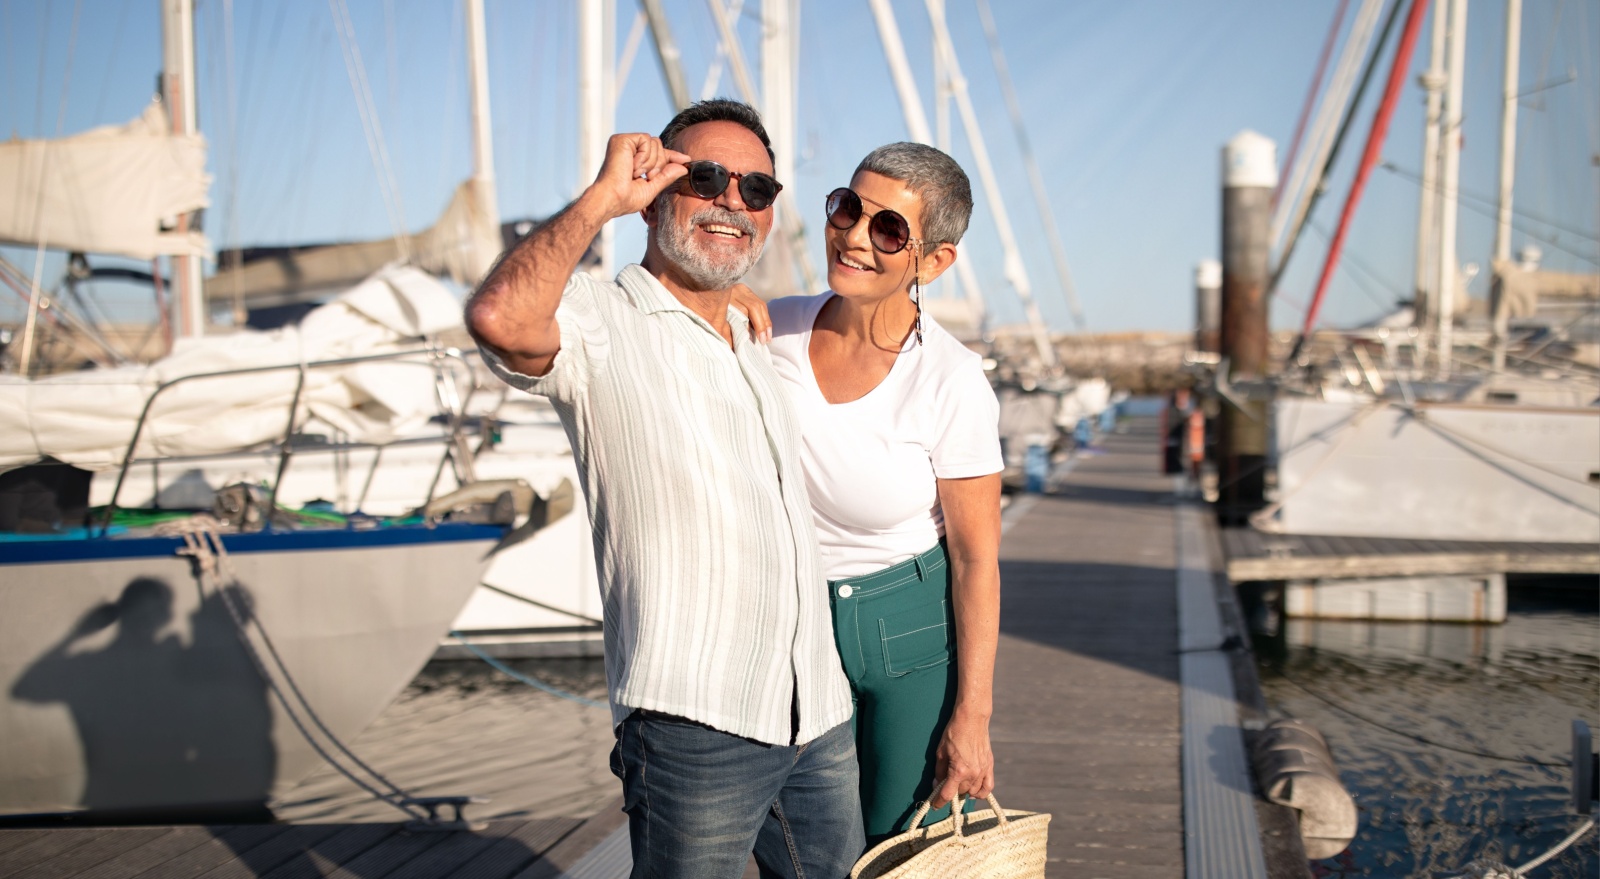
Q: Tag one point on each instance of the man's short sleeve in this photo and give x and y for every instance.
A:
(584, 341)
(968, 439)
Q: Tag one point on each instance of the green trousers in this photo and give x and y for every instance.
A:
(896, 636)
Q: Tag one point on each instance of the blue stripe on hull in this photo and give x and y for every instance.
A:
(26, 552)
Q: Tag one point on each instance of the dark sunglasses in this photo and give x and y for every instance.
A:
(888, 231)
(708, 179)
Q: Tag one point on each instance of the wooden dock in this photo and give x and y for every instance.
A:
(1119, 709)
(1258, 555)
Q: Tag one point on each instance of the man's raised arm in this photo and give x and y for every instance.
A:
(513, 312)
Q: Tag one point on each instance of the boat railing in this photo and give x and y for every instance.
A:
(452, 405)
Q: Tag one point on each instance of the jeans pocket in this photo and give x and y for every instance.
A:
(916, 639)
(617, 768)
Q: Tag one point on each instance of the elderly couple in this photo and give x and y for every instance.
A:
(797, 541)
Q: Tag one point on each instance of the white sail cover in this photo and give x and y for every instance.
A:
(88, 418)
(107, 190)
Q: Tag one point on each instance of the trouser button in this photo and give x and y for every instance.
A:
(845, 591)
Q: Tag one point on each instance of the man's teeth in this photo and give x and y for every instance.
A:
(850, 263)
(718, 229)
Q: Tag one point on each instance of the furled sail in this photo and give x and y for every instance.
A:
(461, 246)
(113, 190)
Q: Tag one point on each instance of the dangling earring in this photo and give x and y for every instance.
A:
(917, 298)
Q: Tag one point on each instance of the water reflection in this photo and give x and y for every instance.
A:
(1453, 738)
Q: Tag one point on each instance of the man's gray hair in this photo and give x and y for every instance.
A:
(945, 191)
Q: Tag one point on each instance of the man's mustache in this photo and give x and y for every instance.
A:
(725, 218)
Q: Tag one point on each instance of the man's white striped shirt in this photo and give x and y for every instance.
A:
(715, 606)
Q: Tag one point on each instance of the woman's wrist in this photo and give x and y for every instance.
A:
(973, 709)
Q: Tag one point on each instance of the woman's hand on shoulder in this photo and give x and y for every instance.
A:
(965, 761)
(754, 308)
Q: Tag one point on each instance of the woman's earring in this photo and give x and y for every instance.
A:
(917, 299)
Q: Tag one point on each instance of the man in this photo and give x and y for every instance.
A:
(719, 650)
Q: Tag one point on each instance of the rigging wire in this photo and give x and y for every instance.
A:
(507, 670)
(1469, 195)
(1364, 269)
(1317, 188)
(1380, 130)
(1489, 212)
(1040, 197)
(371, 126)
(1311, 99)
(1302, 184)
(111, 60)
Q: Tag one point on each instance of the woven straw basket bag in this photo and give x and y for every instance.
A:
(992, 843)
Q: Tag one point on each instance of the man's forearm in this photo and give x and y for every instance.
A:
(513, 310)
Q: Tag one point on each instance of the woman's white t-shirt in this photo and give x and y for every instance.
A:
(871, 464)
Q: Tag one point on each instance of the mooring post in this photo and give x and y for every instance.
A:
(1208, 306)
(1249, 174)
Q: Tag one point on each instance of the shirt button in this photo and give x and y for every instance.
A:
(845, 591)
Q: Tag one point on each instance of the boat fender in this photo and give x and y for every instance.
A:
(1294, 768)
(503, 502)
(242, 506)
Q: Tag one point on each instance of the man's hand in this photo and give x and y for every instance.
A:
(754, 308)
(636, 170)
(964, 763)
(513, 311)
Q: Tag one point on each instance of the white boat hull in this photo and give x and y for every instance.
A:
(1442, 471)
(126, 688)
(550, 576)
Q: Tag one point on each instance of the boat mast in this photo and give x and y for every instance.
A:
(1450, 175)
(1016, 271)
(667, 54)
(1508, 170)
(777, 81)
(788, 217)
(597, 100)
(177, 94)
(487, 215)
(894, 52)
(1433, 81)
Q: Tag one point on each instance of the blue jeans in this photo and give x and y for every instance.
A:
(700, 801)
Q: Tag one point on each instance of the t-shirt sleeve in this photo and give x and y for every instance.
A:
(968, 439)
(584, 339)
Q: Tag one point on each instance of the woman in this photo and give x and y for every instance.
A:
(902, 460)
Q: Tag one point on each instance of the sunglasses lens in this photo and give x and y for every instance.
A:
(758, 191)
(707, 179)
(844, 208)
(889, 231)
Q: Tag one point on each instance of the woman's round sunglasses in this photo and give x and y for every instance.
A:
(708, 179)
(888, 231)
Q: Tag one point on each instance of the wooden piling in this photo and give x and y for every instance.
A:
(1249, 174)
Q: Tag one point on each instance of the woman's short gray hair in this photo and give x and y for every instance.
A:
(945, 191)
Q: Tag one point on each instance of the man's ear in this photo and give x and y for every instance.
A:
(648, 213)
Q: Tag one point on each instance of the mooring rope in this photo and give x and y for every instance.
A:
(501, 667)
(204, 545)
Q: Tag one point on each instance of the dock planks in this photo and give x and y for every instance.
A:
(1087, 692)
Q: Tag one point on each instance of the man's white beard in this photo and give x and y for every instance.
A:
(678, 243)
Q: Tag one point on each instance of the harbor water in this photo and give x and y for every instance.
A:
(1454, 739)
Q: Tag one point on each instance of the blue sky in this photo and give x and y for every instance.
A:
(1128, 104)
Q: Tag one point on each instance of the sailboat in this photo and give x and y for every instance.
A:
(176, 663)
(1424, 432)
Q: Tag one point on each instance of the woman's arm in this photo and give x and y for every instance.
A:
(972, 532)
